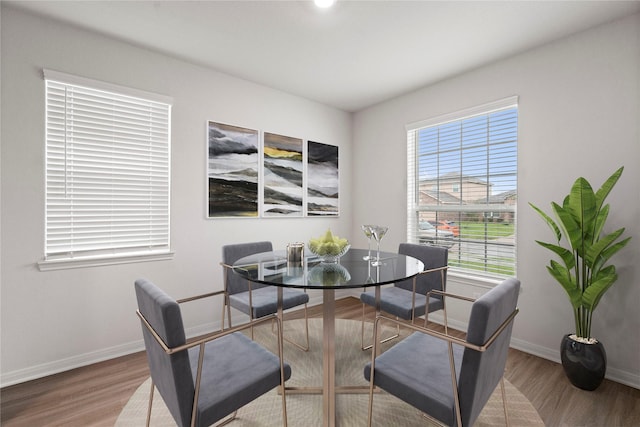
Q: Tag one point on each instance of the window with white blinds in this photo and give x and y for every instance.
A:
(107, 171)
(462, 187)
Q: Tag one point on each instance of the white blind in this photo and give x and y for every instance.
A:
(107, 170)
(462, 191)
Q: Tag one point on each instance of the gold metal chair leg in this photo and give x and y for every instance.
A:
(282, 388)
(374, 354)
(222, 320)
(382, 341)
(284, 404)
(153, 386)
(227, 420)
(300, 346)
(504, 402)
(306, 325)
(225, 308)
(226, 305)
(362, 329)
(370, 407)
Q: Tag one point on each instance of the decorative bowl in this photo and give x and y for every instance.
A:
(332, 256)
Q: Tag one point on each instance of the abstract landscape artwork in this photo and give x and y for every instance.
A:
(232, 171)
(322, 179)
(283, 171)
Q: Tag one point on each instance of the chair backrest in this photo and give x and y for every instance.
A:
(232, 253)
(431, 257)
(171, 373)
(481, 372)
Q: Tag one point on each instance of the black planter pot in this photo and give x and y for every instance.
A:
(584, 364)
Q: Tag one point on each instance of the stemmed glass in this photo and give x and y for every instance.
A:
(378, 232)
(367, 232)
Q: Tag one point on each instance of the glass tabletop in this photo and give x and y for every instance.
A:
(352, 271)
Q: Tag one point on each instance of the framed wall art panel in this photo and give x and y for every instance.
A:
(232, 171)
(283, 176)
(323, 192)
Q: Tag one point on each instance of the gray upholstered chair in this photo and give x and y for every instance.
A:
(447, 378)
(206, 380)
(407, 299)
(254, 299)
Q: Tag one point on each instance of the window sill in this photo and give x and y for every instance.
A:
(473, 280)
(63, 264)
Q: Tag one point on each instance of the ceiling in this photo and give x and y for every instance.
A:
(354, 55)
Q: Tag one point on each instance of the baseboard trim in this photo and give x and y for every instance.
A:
(62, 365)
(617, 375)
(46, 369)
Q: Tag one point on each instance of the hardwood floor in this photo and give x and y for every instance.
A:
(94, 395)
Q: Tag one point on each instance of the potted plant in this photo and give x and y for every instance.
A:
(583, 272)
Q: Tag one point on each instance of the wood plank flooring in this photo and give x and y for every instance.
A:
(94, 395)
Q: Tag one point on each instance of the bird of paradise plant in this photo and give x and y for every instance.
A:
(584, 273)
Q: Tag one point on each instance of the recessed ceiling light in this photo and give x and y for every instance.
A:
(324, 3)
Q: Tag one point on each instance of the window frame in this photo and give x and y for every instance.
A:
(414, 207)
(110, 253)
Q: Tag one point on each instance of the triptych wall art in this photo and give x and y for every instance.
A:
(253, 174)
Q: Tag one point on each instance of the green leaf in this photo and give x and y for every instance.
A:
(563, 276)
(595, 251)
(550, 222)
(565, 254)
(570, 227)
(611, 250)
(601, 283)
(606, 188)
(582, 204)
(603, 213)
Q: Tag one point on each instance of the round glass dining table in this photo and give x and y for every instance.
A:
(355, 269)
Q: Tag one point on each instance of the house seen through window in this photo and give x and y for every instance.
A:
(462, 187)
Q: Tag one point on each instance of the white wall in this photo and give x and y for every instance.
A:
(579, 98)
(61, 319)
(579, 109)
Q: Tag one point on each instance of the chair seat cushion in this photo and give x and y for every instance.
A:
(417, 371)
(397, 301)
(235, 371)
(265, 300)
